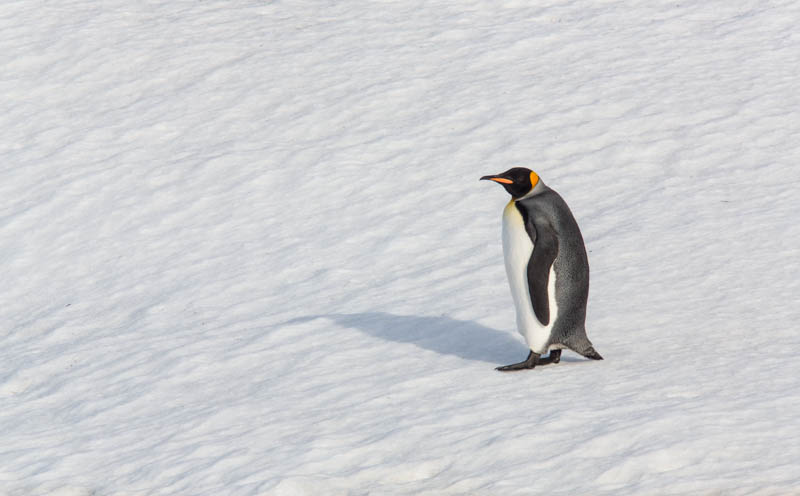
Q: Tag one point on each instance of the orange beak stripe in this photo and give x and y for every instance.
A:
(502, 180)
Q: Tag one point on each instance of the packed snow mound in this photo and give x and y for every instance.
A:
(245, 250)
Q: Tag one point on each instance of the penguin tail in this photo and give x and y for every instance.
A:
(591, 353)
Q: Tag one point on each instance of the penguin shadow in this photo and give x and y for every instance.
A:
(444, 335)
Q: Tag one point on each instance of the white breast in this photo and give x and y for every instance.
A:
(517, 249)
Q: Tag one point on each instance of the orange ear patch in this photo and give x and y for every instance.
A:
(534, 179)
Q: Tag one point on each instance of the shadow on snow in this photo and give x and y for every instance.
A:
(444, 335)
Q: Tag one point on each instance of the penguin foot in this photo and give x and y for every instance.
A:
(553, 357)
(532, 361)
(529, 363)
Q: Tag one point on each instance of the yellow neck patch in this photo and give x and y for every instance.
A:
(534, 180)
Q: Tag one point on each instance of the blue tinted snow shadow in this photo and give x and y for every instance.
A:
(446, 336)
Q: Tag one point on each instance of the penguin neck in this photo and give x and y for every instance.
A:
(539, 188)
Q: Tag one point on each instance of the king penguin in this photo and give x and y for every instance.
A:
(547, 269)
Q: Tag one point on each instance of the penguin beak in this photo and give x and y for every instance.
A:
(497, 179)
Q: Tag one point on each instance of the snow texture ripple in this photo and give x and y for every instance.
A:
(245, 250)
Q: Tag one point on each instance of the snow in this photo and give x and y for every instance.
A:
(245, 250)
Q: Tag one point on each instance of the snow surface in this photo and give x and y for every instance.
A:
(245, 250)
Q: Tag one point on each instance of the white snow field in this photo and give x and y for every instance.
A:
(245, 251)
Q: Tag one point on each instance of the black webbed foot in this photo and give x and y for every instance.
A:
(529, 363)
(532, 361)
(553, 357)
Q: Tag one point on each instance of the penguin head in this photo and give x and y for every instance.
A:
(518, 181)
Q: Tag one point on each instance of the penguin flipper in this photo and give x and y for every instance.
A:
(545, 250)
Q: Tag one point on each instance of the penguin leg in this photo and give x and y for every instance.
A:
(529, 363)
